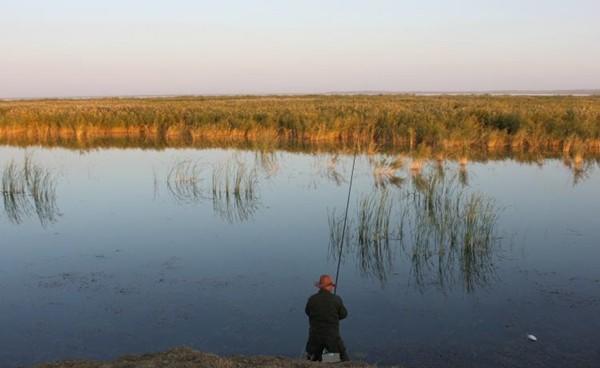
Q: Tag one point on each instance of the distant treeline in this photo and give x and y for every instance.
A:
(564, 124)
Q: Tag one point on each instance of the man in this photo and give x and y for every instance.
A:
(325, 310)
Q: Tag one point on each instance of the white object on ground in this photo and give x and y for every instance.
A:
(531, 338)
(330, 357)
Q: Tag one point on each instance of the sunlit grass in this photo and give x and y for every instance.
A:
(437, 123)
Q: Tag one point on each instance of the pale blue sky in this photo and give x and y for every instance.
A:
(127, 47)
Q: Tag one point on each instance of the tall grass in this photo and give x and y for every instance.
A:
(448, 231)
(447, 235)
(232, 187)
(29, 189)
(448, 123)
(184, 182)
(234, 191)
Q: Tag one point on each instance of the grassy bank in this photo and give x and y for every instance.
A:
(427, 123)
(188, 358)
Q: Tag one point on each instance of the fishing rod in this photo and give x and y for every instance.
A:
(337, 273)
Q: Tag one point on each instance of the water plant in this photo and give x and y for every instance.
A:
(231, 187)
(385, 170)
(447, 235)
(184, 182)
(28, 189)
(440, 123)
(234, 191)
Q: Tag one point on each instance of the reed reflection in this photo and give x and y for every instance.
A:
(28, 189)
(447, 235)
(184, 182)
(385, 171)
(268, 161)
(232, 188)
(580, 168)
(234, 191)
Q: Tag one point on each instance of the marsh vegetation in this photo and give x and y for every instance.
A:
(447, 234)
(29, 189)
(234, 191)
(454, 124)
(232, 187)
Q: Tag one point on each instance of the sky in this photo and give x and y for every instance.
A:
(67, 48)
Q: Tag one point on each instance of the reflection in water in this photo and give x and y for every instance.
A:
(327, 167)
(580, 168)
(330, 169)
(385, 171)
(233, 187)
(463, 174)
(268, 162)
(447, 234)
(234, 191)
(29, 189)
(449, 231)
(369, 234)
(184, 182)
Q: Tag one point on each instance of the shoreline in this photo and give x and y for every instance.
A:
(185, 357)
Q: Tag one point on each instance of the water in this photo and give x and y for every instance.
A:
(132, 251)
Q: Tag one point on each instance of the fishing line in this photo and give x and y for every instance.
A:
(337, 273)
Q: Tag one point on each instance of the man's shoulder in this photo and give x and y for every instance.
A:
(314, 296)
(325, 295)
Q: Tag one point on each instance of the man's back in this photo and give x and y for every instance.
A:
(325, 310)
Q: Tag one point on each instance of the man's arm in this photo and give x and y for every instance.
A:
(307, 308)
(342, 312)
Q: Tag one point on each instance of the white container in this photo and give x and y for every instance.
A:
(331, 358)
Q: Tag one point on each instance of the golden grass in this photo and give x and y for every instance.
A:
(371, 123)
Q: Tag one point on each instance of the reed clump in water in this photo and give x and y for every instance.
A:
(184, 182)
(234, 191)
(487, 123)
(447, 234)
(385, 170)
(232, 188)
(29, 189)
(445, 228)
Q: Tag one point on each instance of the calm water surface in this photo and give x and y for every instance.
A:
(130, 251)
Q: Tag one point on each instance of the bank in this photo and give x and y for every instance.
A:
(184, 357)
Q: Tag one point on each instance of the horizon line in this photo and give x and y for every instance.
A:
(507, 92)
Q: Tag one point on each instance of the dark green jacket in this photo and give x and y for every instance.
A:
(325, 310)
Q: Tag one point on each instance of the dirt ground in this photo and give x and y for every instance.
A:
(187, 358)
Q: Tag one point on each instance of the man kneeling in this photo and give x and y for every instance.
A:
(325, 310)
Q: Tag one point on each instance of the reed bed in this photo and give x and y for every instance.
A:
(29, 189)
(441, 123)
(448, 235)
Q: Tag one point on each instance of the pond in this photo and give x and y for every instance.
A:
(119, 251)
